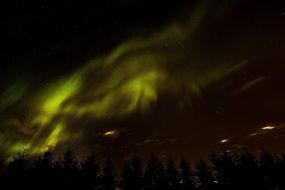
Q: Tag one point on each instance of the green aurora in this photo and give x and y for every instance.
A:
(131, 78)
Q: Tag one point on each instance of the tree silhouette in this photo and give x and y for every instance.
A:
(280, 171)
(151, 173)
(132, 174)
(108, 176)
(70, 171)
(248, 172)
(226, 168)
(205, 175)
(57, 172)
(42, 170)
(227, 171)
(187, 175)
(127, 183)
(90, 172)
(161, 182)
(17, 171)
(267, 166)
(173, 176)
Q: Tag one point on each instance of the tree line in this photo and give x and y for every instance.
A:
(222, 170)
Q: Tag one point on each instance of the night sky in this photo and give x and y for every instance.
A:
(118, 77)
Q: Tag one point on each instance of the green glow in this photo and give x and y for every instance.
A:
(41, 120)
(12, 94)
(55, 136)
(18, 147)
(136, 93)
(59, 93)
(142, 90)
(128, 79)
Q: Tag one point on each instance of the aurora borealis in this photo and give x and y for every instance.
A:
(202, 75)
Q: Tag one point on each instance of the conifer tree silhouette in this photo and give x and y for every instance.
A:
(90, 172)
(173, 176)
(227, 171)
(136, 165)
(151, 173)
(248, 172)
(17, 173)
(42, 171)
(127, 183)
(161, 182)
(70, 171)
(205, 175)
(108, 176)
(280, 171)
(132, 174)
(267, 165)
(57, 172)
(226, 168)
(187, 175)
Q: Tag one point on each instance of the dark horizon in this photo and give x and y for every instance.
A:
(224, 170)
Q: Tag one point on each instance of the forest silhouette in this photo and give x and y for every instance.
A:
(223, 170)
